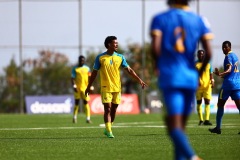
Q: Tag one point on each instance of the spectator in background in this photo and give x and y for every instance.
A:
(175, 34)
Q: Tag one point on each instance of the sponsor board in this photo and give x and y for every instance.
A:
(49, 104)
(65, 103)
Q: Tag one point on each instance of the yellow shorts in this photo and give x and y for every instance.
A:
(81, 95)
(204, 93)
(111, 97)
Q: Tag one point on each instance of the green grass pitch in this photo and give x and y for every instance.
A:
(137, 137)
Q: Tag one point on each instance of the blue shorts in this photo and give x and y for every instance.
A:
(224, 94)
(179, 101)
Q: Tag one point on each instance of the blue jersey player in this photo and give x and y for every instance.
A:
(175, 34)
(230, 86)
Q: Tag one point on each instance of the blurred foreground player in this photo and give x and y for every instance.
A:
(204, 91)
(230, 86)
(175, 34)
(80, 76)
(109, 64)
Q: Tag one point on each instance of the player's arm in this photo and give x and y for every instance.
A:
(74, 84)
(135, 76)
(91, 79)
(224, 73)
(156, 37)
(208, 54)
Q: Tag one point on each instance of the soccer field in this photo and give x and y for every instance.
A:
(142, 137)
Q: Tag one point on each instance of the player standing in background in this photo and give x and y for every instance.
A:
(109, 63)
(230, 86)
(80, 76)
(206, 82)
(175, 34)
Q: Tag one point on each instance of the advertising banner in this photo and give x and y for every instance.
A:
(129, 104)
(49, 104)
(65, 103)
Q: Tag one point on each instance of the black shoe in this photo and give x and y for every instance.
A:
(238, 132)
(200, 123)
(215, 130)
(88, 121)
(207, 123)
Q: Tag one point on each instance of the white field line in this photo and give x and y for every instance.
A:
(121, 125)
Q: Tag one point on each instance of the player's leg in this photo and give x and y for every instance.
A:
(107, 103)
(199, 106)
(175, 121)
(76, 106)
(75, 110)
(236, 98)
(207, 94)
(115, 102)
(86, 106)
(207, 112)
(222, 98)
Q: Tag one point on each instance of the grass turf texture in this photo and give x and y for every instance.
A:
(142, 136)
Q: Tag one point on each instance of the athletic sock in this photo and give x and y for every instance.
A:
(207, 112)
(219, 116)
(87, 110)
(75, 111)
(181, 143)
(199, 110)
(108, 126)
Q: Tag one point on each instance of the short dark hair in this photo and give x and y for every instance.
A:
(108, 40)
(185, 2)
(80, 57)
(227, 42)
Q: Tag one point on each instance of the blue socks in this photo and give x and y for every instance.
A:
(181, 144)
(219, 116)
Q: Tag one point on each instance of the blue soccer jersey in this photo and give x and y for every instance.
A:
(231, 80)
(181, 30)
(109, 67)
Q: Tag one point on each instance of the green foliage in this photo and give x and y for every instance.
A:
(10, 90)
(49, 74)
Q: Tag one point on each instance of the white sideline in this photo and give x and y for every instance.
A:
(117, 125)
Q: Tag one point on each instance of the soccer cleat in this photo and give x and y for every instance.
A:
(207, 123)
(74, 120)
(108, 134)
(105, 132)
(200, 123)
(215, 130)
(88, 121)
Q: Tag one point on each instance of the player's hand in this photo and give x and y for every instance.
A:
(216, 72)
(75, 88)
(212, 82)
(87, 91)
(143, 84)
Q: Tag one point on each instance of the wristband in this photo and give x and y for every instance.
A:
(74, 86)
(212, 80)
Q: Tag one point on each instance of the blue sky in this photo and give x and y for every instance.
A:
(54, 25)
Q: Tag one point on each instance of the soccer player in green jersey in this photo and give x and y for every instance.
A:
(204, 91)
(80, 76)
(109, 64)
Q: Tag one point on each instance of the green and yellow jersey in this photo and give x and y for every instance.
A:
(109, 67)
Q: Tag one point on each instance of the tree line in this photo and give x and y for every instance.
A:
(50, 73)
